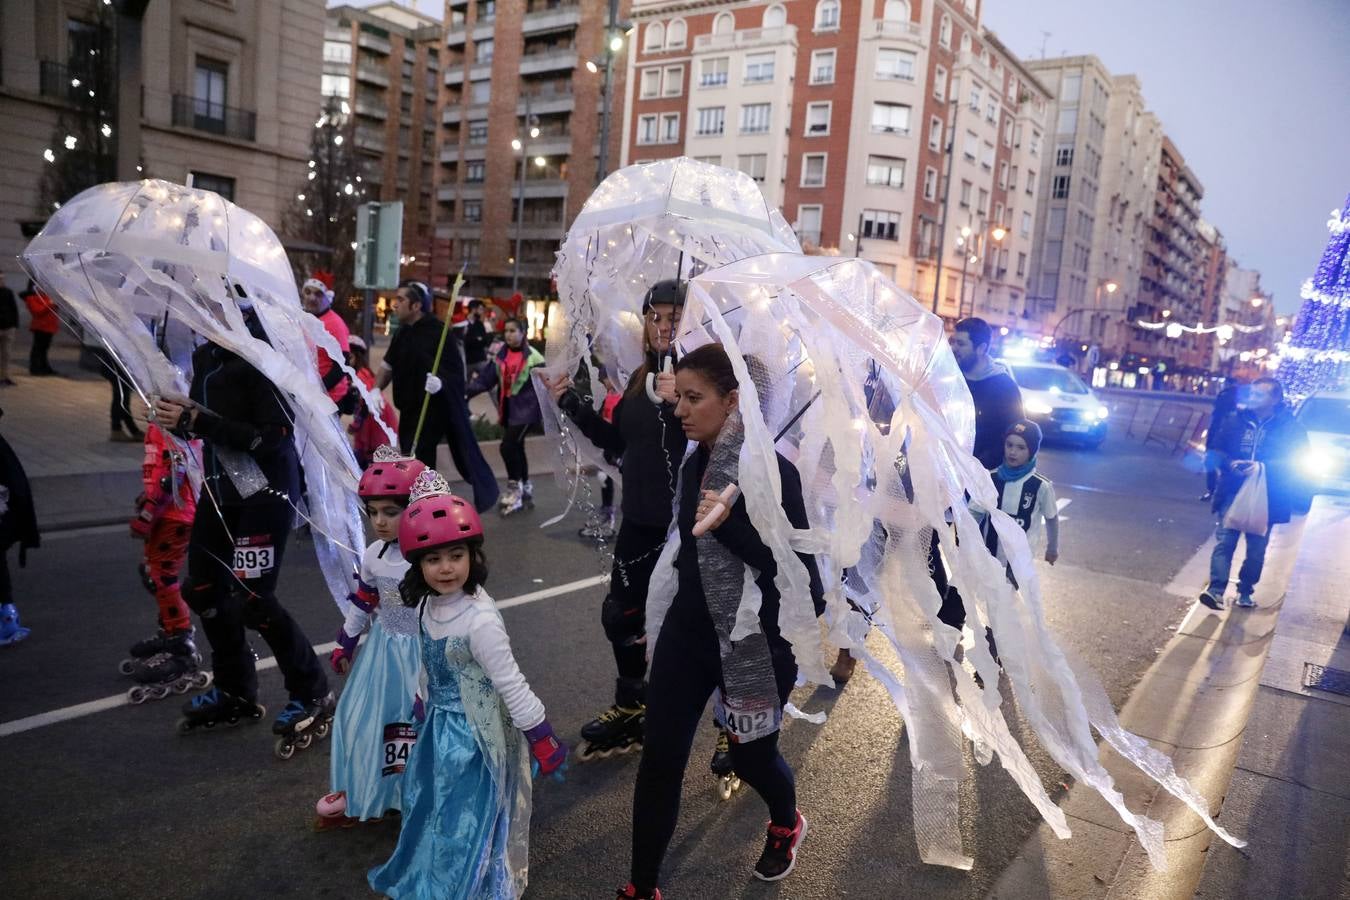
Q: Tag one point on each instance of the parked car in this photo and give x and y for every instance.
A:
(1060, 402)
(1326, 462)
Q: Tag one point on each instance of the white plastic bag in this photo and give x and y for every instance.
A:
(1249, 512)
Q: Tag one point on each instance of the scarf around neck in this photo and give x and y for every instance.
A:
(1007, 473)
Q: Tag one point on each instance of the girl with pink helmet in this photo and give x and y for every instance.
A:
(373, 728)
(466, 789)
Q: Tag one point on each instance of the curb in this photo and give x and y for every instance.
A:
(1193, 704)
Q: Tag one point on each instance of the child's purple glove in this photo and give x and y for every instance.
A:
(341, 657)
(419, 710)
(550, 754)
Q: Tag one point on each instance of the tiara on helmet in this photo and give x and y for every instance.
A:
(428, 483)
(387, 453)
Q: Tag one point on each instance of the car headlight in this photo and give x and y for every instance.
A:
(1103, 412)
(1317, 462)
(1038, 408)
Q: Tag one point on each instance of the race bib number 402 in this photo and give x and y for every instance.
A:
(254, 561)
(746, 721)
(398, 740)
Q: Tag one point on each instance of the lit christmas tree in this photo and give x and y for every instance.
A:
(1317, 355)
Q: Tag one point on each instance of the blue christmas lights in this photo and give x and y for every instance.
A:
(1317, 355)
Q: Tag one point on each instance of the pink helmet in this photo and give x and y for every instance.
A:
(390, 475)
(436, 517)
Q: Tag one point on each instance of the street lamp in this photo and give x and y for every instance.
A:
(521, 145)
(615, 31)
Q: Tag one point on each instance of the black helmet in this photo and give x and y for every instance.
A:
(669, 292)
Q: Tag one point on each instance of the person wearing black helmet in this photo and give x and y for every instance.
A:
(407, 366)
(648, 439)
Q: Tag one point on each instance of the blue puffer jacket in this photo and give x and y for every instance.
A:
(1276, 442)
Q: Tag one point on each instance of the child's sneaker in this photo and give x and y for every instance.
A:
(780, 851)
(11, 632)
(1211, 599)
(1245, 601)
(628, 892)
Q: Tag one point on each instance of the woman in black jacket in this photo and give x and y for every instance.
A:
(251, 481)
(648, 439)
(694, 656)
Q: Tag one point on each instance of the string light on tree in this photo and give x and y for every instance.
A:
(1317, 354)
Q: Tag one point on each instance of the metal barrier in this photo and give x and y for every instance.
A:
(1172, 423)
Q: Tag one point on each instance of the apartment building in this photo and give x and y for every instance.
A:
(843, 111)
(518, 72)
(384, 62)
(224, 92)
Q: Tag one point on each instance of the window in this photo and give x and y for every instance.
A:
(336, 85)
(1071, 88)
(675, 34)
(725, 23)
(1031, 181)
(971, 148)
(896, 11)
(925, 238)
(775, 16)
(813, 169)
(483, 50)
(474, 171)
(217, 184)
(1068, 121)
(714, 72)
(1035, 143)
(1054, 226)
(480, 92)
(827, 15)
(646, 129)
(987, 155)
(755, 165)
(673, 83)
(818, 118)
(983, 202)
(468, 250)
(897, 65)
(208, 93)
(998, 213)
(755, 118)
(808, 223)
(940, 83)
(1002, 175)
(965, 42)
(965, 193)
(478, 132)
(1026, 224)
(1059, 187)
(655, 38)
(710, 160)
(473, 210)
(670, 128)
(935, 134)
(888, 171)
(822, 67)
(890, 118)
(651, 83)
(945, 31)
(337, 51)
(1021, 264)
(881, 224)
(930, 183)
(975, 97)
(758, 68)
(711, 120)
(1064, 155)
(991, 110)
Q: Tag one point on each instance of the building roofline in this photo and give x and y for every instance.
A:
(1012, 58)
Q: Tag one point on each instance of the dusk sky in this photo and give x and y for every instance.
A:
(1248, 91)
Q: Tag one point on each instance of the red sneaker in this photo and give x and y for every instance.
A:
(780, 850)
(628, 892)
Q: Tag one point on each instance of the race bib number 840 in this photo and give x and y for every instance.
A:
(398, 740)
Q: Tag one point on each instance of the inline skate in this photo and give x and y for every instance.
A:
(209, 709)
(616, 730)
(301, 722)
(11, 632)
(512, 499)
(728, 782)
(178, 643)
(166, 673)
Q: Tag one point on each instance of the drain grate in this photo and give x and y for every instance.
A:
(1325, 678)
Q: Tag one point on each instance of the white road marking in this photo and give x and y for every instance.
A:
(1062, 504)
(18, 726)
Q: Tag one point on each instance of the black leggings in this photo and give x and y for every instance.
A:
(624, 612)
(227, 604)
(513, 452)
(119, 410)
(686, 670)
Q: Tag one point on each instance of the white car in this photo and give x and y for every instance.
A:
(1326, 462)
(1060, 402)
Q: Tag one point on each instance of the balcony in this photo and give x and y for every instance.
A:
(548, 61)
(454, 74)
(551, 145)
(369, 139)
(64, 83)
(372, 75)
(909, 32)
(746, 37)
(371, 109)
(550, 19)
(452, 114)
(552, 100)
(466, 191)
(542, 187)
(546, 231)
(481, 71)
(373, 42)
(968, 60)
(213, 118)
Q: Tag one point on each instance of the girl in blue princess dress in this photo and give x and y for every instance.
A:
(466, 789)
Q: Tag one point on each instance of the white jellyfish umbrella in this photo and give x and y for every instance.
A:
(852, 380)
(155, 267)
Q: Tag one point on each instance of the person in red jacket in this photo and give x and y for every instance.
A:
(44, 325)
(365, 426)
(317, 300)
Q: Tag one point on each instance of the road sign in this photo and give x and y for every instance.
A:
(379, 243)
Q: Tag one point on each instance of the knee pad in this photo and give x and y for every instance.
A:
(623, 626)
(200, 596)
(146, 580)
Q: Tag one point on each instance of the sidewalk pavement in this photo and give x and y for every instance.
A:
(1225, 700)
(59, 427)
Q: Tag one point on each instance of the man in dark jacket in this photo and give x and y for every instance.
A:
(407, 366)
(1225, 404)
(998, 402)
(1264, 432)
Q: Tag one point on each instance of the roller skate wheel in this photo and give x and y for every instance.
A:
(126, 666)
(184, 726)
(138, 695)
(283, 748)
(303, 741)
(201, 679)
(728, 785)
(321, 730)
(182, 686)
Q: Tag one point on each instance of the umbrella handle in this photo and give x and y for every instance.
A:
(666, 368)
(725, 499)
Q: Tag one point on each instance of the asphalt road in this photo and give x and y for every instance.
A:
(114, 803)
